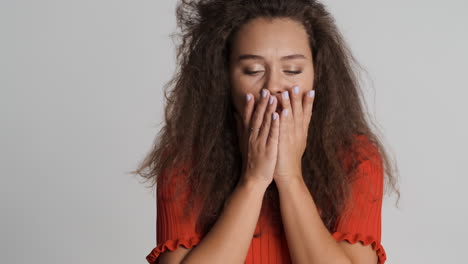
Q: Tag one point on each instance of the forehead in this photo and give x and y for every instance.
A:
(267, 36)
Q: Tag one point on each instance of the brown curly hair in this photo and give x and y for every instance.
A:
(199, 138)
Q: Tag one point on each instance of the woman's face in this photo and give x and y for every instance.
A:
(269, 54)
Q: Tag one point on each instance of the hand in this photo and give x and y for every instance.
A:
(294, 125)
(259, 147)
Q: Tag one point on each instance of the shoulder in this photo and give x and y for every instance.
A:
(173, 182)
(366, 148)
(361, 151)
(368, 175)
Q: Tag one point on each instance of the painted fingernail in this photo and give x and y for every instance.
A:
(275, 115)
(264, 93)
(286, 112)
(311, 93)
(272, 99)
(248, 97)
(285, 95)
(296, 89)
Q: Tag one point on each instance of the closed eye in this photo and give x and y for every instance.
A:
(252, 72)
(293, 72)
(255, 72)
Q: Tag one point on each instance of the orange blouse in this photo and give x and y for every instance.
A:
(361, 222)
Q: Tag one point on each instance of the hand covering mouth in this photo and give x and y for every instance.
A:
(279, 107)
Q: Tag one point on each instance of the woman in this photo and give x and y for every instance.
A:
(252, 166)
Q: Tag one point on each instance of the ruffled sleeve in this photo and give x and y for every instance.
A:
(361, 220)
(173, 229)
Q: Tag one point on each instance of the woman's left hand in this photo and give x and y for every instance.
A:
(294, 125)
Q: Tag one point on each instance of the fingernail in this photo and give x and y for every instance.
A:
(275, 116)
(285, 95)
(272, 99)
(296, 89)
(311, 93)
(264, 93)
(248, 97)
(286, 112)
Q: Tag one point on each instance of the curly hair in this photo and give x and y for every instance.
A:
(199, 137)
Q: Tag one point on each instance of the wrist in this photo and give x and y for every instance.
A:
(252, 183)
(292, 182)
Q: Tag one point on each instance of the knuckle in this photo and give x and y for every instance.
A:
(251, 139)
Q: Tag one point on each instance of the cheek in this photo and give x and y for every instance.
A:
(311, 79)
(238, 95)
(308, 78)
(240, 87)
(238, 103)
(307, 83)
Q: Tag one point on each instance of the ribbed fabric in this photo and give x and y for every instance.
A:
(361, 220)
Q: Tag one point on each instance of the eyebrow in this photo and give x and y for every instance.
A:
(257, 57)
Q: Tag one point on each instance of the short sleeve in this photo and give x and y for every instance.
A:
(361, 220)
(173, 229)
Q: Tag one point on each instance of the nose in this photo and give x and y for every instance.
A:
(274, 83)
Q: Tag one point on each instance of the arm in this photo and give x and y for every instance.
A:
(308, 238)
(230, 238)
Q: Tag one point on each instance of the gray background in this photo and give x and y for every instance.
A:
(81, 102)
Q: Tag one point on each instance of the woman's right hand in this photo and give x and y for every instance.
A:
(259, 147)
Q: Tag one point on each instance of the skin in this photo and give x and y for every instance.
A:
(271, 153)
(260, 61)
(275, 76)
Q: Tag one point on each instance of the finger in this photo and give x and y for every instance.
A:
(265, 130)
(273, 136)
(284, 125)
(284, 100)
(248, 109)
(308, 102)
(296, 104)
(257, 118)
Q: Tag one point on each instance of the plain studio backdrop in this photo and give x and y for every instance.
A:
(81, 102)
